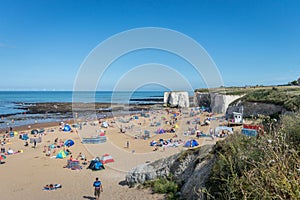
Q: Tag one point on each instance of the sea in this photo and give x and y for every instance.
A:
(12, 102)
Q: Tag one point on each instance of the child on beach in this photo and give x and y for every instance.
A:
(49, 152)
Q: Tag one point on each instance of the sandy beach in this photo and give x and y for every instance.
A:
(23, 175)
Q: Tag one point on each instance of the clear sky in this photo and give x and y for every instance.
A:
(44, 42)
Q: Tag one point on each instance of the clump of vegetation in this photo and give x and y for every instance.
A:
(164, 186)
(202, 90)
(288, 98)
(265, 167)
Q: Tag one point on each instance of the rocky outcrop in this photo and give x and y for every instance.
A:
(254, 108)
(177, 99)
(217, 102)
(189, 169)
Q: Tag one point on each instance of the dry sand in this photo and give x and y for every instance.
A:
(24, 174)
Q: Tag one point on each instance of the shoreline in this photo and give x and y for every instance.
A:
(53, 113)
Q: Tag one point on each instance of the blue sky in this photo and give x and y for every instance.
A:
(44, 43)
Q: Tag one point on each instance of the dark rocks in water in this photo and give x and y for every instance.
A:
(44, 108)
(161, 100)
(189, 169)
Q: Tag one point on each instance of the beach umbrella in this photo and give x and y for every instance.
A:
(69, 143)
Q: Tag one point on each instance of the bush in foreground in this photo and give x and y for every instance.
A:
(164, 186)
(267, 167)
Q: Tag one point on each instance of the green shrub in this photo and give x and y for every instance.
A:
(164, 186)
(266, 167)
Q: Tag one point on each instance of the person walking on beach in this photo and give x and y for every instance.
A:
(98, 188)
(34, 143)
(127, 144)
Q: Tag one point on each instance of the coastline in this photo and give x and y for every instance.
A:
(56, 112)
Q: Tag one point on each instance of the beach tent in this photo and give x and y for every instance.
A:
(146, 134)
(102, 134)
(153, 143)
(24, 137)
(69, 143)
(106, 158)
(2, 157)
(12, 134)
(160, 131)
(225, 128)
(34, 131)
(61, 154)
(41, 130)
(37, 140)
(67, 128)
(104, 124)
(75, 126)
(191, 143)
(96, 164)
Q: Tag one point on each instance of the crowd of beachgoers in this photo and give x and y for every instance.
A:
(129, 140)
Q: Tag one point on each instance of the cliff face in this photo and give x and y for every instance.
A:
(220, 103)
(189, 169)
(177, 99)
(217, 102)
(255, 108)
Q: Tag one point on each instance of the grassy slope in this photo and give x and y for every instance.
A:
(287, 96)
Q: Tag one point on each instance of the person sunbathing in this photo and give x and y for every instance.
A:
(49, 187)
(52, 186)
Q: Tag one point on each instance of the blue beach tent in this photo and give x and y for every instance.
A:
(191, 143)
(96, 164)
(69, 143)
(67, 128)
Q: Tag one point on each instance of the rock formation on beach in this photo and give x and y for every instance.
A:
(177, 99)
(217, 102)
(189, 169)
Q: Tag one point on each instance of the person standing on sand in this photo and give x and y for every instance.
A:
(98, 188)
(34, 143)
(127, 144)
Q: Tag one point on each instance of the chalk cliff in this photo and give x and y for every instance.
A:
(217, 102)
(190, 170)
(177, 99)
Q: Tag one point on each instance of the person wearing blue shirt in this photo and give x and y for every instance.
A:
(98, 188)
